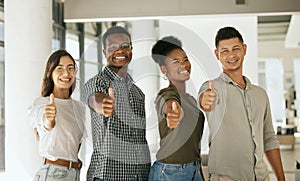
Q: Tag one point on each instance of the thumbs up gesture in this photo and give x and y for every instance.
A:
(50, 114)
(108, 103)
(208, 98)
(174, 114)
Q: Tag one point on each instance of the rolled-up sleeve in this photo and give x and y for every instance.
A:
(270, 140)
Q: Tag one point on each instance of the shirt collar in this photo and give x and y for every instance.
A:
(115, 76)
(227, 79)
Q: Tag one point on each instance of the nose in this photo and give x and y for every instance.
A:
(66, 72)
(231, 54)
(120, 49)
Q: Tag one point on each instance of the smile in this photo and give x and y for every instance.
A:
(119, 57)
(233, 61)
(67, 80)
(184, 72)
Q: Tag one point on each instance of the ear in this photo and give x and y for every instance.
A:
(245, 48)
(217, 53)
(104, 52)
(163, 69)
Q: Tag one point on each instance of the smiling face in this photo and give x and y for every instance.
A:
(117, 51)
(177, 66)
(64, 75)
(231, 53)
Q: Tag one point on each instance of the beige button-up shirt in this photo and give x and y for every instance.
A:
(241, 130)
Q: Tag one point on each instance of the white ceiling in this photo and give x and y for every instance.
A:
(280, 27)
(292, 39)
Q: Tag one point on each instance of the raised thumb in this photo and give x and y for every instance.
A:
(51, 98)
(211, 85)
(174, 106)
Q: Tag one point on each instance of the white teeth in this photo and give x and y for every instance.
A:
(65, 80)
(119, 57)
(232, 61)
(183, 72)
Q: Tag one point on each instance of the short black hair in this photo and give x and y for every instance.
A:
(227, 33)
(115, 30)
(164, 46)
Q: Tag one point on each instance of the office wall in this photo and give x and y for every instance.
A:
(90, 10)
(198, 33)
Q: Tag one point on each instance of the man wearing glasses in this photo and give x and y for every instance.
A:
(117, 109)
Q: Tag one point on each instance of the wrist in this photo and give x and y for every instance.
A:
(47, 124)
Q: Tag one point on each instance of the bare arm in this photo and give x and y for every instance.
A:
(274, 159)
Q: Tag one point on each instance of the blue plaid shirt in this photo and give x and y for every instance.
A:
(120, 151)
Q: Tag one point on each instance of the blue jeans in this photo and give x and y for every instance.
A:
(175, 172)
(51, 172)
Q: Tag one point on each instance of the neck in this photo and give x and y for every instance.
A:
(180, 86)
(237, 77)
(61, 94)
(121, 71)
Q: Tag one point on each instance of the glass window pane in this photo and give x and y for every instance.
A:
(90, 70)
(72, 45)
(1, 31)
(1, 54)
(90, 52)
(55, 44)
(2, 126)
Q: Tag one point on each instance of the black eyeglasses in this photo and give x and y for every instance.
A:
(115, 46)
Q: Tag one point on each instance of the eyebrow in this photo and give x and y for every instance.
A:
(64, 65)
(225, 48)
(185, 57)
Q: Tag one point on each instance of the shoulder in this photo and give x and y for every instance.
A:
(41, 101)
(258, 90)
(100, 77)
(166, 94)
(167, 91)
(97, 83)
(38, 104)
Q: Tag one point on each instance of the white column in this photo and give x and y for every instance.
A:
(146, 73)
(28, 34)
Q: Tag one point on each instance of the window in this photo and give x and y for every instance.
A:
(2, 77)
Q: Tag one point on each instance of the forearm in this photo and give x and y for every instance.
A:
(274, 159)
(95, 102)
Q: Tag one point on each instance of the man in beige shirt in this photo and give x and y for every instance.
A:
(239, 118)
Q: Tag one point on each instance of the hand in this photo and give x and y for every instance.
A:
(50, 114)
(208, 98)
(108, 103)
(173, 115)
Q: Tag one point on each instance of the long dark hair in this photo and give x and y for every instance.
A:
(53, 61)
